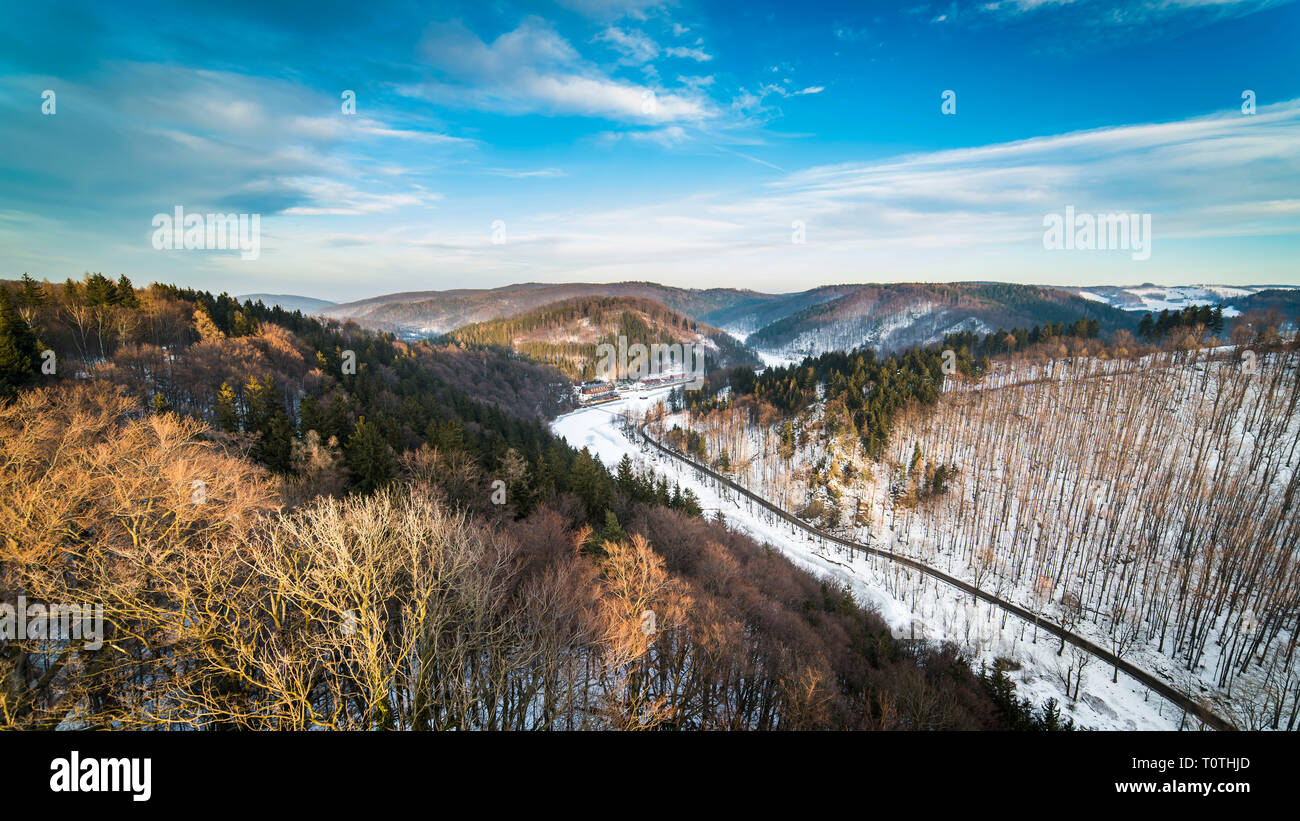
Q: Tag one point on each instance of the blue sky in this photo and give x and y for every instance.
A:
(679, 142)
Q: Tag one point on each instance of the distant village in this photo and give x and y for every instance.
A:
(600, 391)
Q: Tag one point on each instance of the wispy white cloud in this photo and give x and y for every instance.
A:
(340, 128)
(752, 159)
(524, 174)
(667, 136)
(604, 10)
(1026, 5)
(1183, 172)
(332, 197)
(534, 69)
(848, 33)
(635, 46)
(223, 139)
(694, 81)
(1102, 14)
(685, 53)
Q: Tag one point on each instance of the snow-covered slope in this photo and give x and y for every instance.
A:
(912, 606)
(1156, 298)
(896, 316)
(921, 324)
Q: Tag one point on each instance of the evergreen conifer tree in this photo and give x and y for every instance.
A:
(369, 458)
(18, 348)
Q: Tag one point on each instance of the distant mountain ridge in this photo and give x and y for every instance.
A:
(290, 302)
(438, 312)
(887, 317)
(745, 318)
(891, 317)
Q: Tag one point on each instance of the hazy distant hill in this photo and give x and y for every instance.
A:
(290, 302)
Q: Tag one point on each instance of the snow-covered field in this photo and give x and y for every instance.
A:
(912, 607)
(1157, 298)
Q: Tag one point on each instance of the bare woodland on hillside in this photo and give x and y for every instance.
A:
(1146, 500)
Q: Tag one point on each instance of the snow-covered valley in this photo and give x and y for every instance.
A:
(913, 606)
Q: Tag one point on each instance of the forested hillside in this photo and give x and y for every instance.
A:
(900, 316)
(568, 334)
(301, 525)
(444, 311)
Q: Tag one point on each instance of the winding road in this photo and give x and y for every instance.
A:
(1158, 685)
